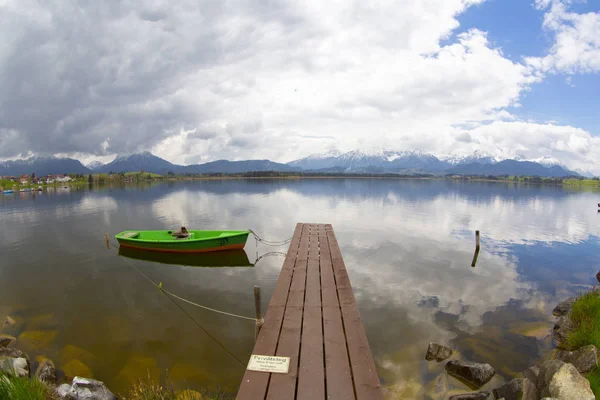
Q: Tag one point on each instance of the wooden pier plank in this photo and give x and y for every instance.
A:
(313, 319)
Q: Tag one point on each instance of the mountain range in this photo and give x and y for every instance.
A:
(357, 161)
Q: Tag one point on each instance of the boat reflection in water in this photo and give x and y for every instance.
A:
(225, 258)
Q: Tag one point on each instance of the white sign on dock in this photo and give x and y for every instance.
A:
(277, 365)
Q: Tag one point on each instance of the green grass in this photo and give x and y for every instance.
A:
(12, 388)
(586, 317)
(148, 390)
(582, 182)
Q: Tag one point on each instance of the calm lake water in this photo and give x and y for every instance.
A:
(407, 245)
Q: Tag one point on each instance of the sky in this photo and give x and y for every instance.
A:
(196, 81)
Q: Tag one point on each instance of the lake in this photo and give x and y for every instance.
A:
(407, 244)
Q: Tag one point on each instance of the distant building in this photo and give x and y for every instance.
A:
(61, 178)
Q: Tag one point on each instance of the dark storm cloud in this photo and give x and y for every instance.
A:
(107, 76)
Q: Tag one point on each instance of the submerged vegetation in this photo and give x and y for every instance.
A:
(585, 315)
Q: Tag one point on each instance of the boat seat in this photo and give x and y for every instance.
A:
(131, 235)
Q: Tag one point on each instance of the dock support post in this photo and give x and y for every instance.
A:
(257, 307)
(476, 249)
(106, 239)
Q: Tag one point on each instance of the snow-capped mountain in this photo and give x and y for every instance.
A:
(475, 157)
(360, 160)
(94, 165)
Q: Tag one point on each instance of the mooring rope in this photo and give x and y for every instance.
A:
(269, 242)
(171, 296)
(159, 287)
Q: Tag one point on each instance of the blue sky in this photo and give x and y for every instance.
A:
(249, 79)
(516, 27)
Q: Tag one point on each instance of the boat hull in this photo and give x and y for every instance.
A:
(225, 258)
(197, 242)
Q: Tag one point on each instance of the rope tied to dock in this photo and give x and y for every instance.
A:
(269, 242)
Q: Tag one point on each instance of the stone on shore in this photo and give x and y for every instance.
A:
(46, 372)
(517, 389)
(473, 374)
(13, 361)
(563, 381)
(87, 389)
(471, 396)
(438, 352)
(563, 326)
(584, 359)
(7, 340)
(598, 276)
(564, 307)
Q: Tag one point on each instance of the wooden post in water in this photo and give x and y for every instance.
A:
(257, 307)
(476, 249)
(106, 238)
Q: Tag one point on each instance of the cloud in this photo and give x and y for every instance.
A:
(576, 47)
(200, 81)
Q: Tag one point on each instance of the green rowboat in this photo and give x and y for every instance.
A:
(183, 241)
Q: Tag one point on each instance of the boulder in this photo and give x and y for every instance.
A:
(8, 322)
(471, 396)
(584, 359)
(473, 374)
(63, 390)
(46, 372)
(517, 389)
(77, 368)
(564, 307)
(438, 352)
(563, 381)
(7, 340)
(562, 328)
(598, 276)
(14, 361)
(37, 341)
(88, 389)
(533, 375)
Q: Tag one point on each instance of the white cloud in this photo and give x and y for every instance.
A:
(201, 81)
(576, 47)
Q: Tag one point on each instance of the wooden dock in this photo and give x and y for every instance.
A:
(313, 319)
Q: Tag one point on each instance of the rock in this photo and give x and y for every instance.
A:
(533, 375)
(37, 341)
(584, 359)
(77, 368)
(89, 389)
(134, 368)
(438, 352)
(598, 276)
(63, 390)
(8, 322)
(189, 395)
(7, 340)
(14, 361)
(562, 328)
(517, 389)
(470, 396)
(563, 381)
(11, 352)
(474, 374)
(46, 372)
(564, 307)
(19, 366)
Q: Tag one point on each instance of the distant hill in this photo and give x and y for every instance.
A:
(353, 162)
(146, 161)
(42, 166)
(234, 167)
(512, 167)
